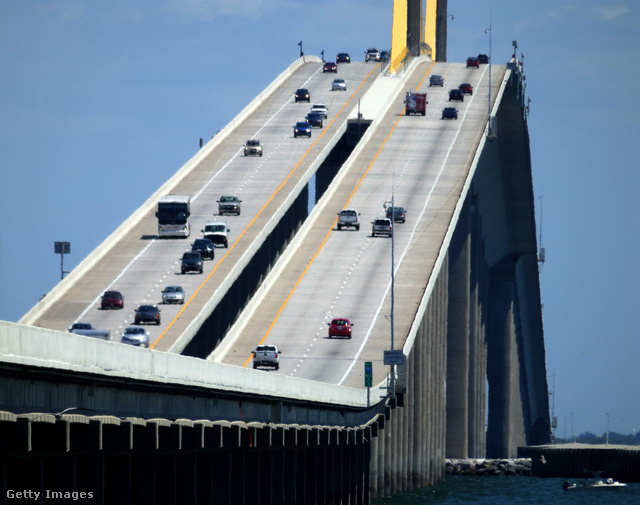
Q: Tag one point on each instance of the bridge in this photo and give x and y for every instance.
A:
(454, 294)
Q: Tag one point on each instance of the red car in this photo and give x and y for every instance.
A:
(112, 300)
(473, 62)
(330, 66)
(340, 327)
(466, 88)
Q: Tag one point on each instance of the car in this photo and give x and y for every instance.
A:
(348, 218)
(205, 247)
(381, 226)
(340, 327)
(397, 214)
(173, 294)
(321, 108)
(330, 66)
(472, 61)
(87, 330)
(315, 119)
(385, 55)
(302, 95)
(191, 262)
(302, 129)
(372, 54)
(339, 85)
(134, 335)
(229, 205)
(466, 88)
(456, 94)
(436, 80)
(343, 58)
(112, 300)
(266, 355)
(253, 147)
(449, 113)
(148, 314)
(216, 231)
(483, 59)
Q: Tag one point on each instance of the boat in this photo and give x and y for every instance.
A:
(596, 482)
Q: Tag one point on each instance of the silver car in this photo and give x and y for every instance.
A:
(339, 85)
(436, 80)
(173, 294)
(135, 335)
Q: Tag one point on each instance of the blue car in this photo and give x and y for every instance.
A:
(449, 113)
(302, 129)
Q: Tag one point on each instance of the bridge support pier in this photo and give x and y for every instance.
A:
(506, 424)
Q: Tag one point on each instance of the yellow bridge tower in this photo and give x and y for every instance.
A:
(418, 27)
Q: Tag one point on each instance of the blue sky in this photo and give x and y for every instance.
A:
(103, 101)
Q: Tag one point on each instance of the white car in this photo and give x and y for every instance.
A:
(321, 108)
(135, 335)
(339, 85)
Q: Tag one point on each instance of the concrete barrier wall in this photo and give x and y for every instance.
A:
(149, 206)
(40, 347)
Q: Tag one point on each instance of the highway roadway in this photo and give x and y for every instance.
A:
(140, 265)
(422, 162)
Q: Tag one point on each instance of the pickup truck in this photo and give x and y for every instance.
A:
(229, 205)
(89, 331)
(266, 355)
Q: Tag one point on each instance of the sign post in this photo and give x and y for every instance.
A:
(368, 379)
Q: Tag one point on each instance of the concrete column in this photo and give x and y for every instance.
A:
(458, 341)
(504, 395)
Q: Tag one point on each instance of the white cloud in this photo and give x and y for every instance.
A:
(610, 11)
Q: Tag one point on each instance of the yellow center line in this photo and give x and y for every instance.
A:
(206, 280)
(326, 237)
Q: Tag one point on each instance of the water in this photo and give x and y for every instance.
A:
(462, 490)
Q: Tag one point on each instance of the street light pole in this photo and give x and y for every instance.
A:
(490, 58)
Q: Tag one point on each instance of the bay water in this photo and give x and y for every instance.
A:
(501, 490)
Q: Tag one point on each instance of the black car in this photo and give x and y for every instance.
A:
(302, 95)
(147, 314)
(449, 113)
(205, 247)
(397, 214)
(191, 262)
(343, 58)
(483, 59)
(456, 94)
(315, 119)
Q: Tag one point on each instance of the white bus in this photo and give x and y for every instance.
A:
(173, 216)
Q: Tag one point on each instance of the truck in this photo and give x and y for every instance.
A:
(229, 205)
(89, 331)
(415, 103)
(267, 356)
(216, 231)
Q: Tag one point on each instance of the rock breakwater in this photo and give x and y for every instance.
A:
(520, 466)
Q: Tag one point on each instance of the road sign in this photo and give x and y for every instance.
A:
(393, 357)
(368, 374)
